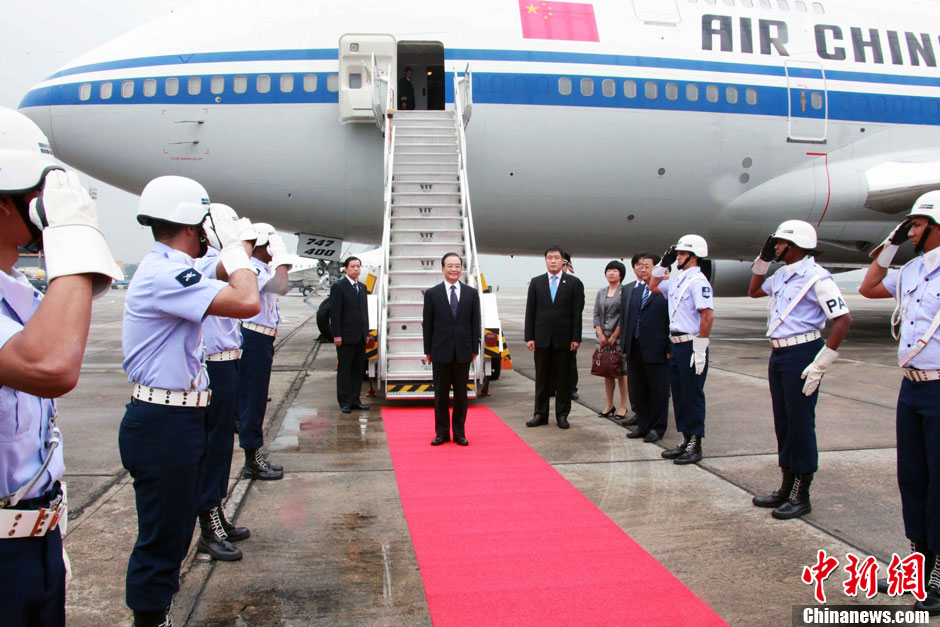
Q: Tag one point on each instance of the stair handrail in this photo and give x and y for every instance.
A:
(473, 263)
(468, 92)
(377, 99)
(386, 247)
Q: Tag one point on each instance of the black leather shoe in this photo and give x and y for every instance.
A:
(679, 450)
(345, 409)
(629, 422)
(778, 497)
(606, 414)
(637, 434)
(438, 441)
(537, 421)
(153, 619)
(574, 396)
(653, 436)
(931, 602)
(257, 467)
(212, 539)
(461, 441)
(233, 533)
(563, 423)
(798, 502)
(359, 406)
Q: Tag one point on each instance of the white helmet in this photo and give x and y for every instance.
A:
(694, 244)
(175, 199)
(25, 153)
(218, 211)
(264, 231)
(797, 232)
(928, 206)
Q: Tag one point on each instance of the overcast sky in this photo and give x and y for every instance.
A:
(40, 37)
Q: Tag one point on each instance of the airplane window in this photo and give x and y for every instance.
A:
(240, 84)
(217, 84)
(84, 92)
(587, 86)
(355, 80)
(932, 107)
(127, 89)
(863, 104)
(564, 86)
(915, 106)
(783, 4)
(651, 89)
(629, 89)
(750, 96)
(765, 4)
(172, 86)
(263, 83)
(800, 6)
(731, 95)
(518, 85)
(150, 87)
(194, 85)
(332, 82)
(106, 89)
(898, 105)
(816, 100)
(672, 91)
(496, 84)
(691, 92)
(818, 8)
(608, 87)
(541, 85)
(711, 93)
(287, 83)
(310, 82)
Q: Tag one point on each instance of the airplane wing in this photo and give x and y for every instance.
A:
(893, 186)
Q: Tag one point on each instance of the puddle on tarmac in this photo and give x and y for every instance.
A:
(307, 430)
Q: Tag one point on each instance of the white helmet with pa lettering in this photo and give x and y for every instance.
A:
(264, 231)
(694, 244)
(797, 232)
(928, 206)
(25, 153)
(174, 199)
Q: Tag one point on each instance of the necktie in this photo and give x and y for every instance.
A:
(356, 287)
(646, 296)
(554, 286)
(453, 299)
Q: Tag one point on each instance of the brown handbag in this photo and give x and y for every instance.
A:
(606, 362)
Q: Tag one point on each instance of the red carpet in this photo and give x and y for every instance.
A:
(503, 539)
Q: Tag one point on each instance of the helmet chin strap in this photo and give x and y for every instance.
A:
(783, 254)
(35, 245)
(203, 242)
(682, 265)
(923, 239)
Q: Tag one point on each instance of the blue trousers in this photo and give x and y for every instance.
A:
(794, 413)
(32, 577)
(918, 429)
(223, 381)
(688, 390)
(163, 448)
(254, 375)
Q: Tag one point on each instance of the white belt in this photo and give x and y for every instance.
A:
(795, 339)
(32, 523)
(229, 355)
(921, 375)
(259, 328)
(679, 339)
(159, 396)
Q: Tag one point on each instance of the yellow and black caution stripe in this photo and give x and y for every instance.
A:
(370, 282)
(504, 354)
(500, 352)
(419, 387)
(373, 353)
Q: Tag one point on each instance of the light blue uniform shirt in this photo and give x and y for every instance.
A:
(822, 302)
(269, 316)
(218, 334)
(24, 419)
(684, 304)
(920, 301)
(163, 313)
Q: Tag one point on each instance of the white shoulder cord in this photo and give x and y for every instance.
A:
(896, 315)
(793, 303)
(685, 288)
(218, 322)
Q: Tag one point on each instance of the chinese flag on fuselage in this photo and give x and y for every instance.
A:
(567, 21)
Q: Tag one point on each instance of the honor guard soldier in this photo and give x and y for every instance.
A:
(223, 349)
(916, 287)
(42, 340)
(802, 297)
(258, 335)
(691, 314)
(163, 434)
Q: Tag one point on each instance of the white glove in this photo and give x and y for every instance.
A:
(885, 252)
(699, 356)
(659, 272)
(232, 255)
(760, 267)
(814, 372)
(246, 231)
(278, 250)
(71, 240)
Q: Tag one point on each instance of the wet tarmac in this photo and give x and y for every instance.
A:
(330, 544)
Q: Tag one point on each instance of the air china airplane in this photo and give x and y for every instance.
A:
(607, 126)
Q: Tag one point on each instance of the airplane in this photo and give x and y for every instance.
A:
(607, 127)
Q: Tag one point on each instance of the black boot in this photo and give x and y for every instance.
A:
(692, 453)
(931, 602)
(153, 619)
(257, 467)
(676, 452)
(212, 540)
(777, 497)
(798, 503)
(232, 533)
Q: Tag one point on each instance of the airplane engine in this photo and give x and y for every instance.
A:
(729, 277)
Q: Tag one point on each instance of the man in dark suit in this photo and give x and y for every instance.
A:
(553, 330)
(646, 346)
(451, 341)
(349, 324)
(406, 91)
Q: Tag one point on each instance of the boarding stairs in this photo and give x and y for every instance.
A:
(427, 215)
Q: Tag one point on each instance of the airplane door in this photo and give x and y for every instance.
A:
(356, 82)
(808, 102)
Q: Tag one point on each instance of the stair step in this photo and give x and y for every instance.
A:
(425, 199)
(425, 189)
(425, 236)
(425, 249)
(425, 157)
(426, 140)
(406, 343)
(421, 168)
(427, 149)
(406, 294)
(403, 219)
(413, 263)
(435, 129)
(426, 177)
